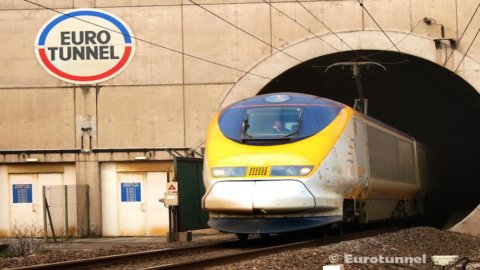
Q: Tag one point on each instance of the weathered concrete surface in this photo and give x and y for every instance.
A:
(36, 118)
(470, 224)
(146, 116)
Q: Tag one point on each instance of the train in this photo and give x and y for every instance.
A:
(284, 162)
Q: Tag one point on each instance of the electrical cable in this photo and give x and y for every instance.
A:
(381, 29)
(259, 39)
(244, 31)
(464, 31)
(324, 25)
(344, 42)
(382, 51)
(465, 54)
(303, 26)
(355, 51)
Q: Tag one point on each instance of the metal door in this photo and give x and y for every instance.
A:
(157, 213)
(26, 202)
(131, 206)
(23, 200)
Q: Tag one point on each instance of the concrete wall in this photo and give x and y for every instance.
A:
(173, 78)
(470, 224)
(165, 98)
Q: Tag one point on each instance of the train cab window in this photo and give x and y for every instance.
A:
(273, 122)
(258, 122)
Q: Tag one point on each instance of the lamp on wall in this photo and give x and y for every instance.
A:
(29, 159)
(140, 158)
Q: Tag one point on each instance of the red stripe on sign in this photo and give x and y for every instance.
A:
(107, 73)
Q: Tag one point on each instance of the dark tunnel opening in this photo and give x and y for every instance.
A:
(418, 97)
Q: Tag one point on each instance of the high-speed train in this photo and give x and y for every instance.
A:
(287, 161)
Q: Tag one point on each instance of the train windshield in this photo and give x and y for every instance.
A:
(271, 122)
(261, 124)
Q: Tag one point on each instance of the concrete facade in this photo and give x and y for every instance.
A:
(165, 98)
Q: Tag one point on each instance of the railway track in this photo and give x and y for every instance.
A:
(200, 256)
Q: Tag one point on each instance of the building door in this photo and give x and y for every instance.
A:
(26, 201)
(157, 213)
(132, 206)
(23, 200)
(140, 212)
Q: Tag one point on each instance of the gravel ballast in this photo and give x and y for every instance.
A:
(421, 242)
(415, 242)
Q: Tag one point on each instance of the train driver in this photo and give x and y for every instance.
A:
(278, 127)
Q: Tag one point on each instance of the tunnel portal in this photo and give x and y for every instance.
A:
(418, 97)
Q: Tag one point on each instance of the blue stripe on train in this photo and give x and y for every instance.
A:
(269, 225)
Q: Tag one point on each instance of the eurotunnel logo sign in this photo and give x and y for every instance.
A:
(84, 46)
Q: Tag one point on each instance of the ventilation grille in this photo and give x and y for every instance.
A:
(257, 171)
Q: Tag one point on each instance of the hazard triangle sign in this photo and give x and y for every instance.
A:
(172, 187)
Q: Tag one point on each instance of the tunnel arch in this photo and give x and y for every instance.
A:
(438, 107)
(408, 43)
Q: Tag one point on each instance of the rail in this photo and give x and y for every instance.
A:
(229, 251)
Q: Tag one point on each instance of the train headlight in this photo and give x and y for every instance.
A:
(229, 171)
(290, 170)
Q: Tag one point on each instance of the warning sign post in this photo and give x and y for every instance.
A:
(171, 201)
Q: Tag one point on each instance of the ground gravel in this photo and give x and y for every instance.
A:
(409, 242)
(57, 255)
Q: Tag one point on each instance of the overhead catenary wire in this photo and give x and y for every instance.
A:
(245, 31)
(359, 56)
(151, 43)
(381, 29)
(344, 42)
(251, 35)
(324, 25)
(301, 25)
(382, 51)
(461, 36)
(370, 60)
(470, 46)
(261, 40)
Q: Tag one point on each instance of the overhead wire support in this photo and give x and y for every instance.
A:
(381, 29)
(361, 104)
(151, 43)
(461, 36)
